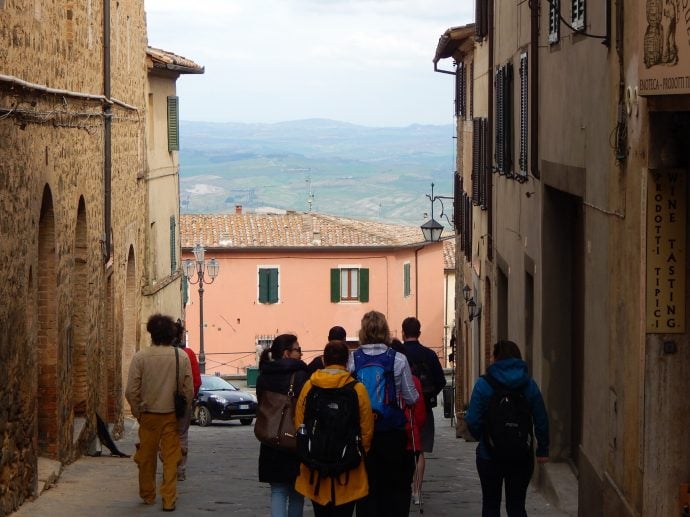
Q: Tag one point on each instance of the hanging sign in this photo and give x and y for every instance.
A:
(666, 227)
(664, 47)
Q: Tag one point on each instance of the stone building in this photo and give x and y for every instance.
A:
(75, 184)
(580, 257)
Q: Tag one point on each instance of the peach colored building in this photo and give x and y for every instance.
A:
(302, 273)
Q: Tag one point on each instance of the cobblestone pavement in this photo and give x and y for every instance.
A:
(222, 479)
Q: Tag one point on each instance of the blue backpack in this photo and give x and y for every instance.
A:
(376, 373)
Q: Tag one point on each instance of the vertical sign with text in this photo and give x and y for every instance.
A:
(666, 227)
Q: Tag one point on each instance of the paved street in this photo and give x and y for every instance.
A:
(222, 477)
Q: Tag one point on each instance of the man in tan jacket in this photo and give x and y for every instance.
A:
(150, 392)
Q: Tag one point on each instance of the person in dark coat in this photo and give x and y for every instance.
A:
(276, 466)
(417, 353)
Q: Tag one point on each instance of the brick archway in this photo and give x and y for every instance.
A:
(80, 319)
(48, 357)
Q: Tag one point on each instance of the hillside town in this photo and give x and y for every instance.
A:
(563, 256)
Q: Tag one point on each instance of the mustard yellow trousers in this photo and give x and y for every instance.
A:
(158, 431)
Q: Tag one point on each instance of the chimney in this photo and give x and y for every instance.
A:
(238, 209)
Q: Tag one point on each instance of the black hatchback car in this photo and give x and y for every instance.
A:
(220, 400)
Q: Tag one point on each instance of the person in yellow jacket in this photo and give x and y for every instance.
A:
(336, 498)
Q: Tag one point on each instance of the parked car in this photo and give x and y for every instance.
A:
(220, 400)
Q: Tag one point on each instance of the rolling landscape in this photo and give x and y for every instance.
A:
(376, 173)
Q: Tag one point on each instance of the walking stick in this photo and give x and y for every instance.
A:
(416, 471)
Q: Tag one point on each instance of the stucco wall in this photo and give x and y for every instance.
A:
(234, 317)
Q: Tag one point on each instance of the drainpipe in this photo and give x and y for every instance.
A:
(490, 130)
(107, 133)
(534, 90)
(416, 282)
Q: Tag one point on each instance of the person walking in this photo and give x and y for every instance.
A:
(387, 377)
(150, 390)
(505, 453)
(184, 422)
(336, 333)
(427, 368)
(336, 496)
(277, 366)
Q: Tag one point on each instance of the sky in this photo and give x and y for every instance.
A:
(367, 62)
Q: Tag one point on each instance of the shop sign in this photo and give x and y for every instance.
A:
(666, 251)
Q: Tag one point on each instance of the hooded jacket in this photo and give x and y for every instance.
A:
(277, 465)
(511, 373)
(357, 485)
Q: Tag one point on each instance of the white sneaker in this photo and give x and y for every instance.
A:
(415, 499)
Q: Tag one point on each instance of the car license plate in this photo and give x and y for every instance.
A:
(244, 406)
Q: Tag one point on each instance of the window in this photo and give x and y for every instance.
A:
(524, 116)
(504, 137)
(349, 284)
(457, 204)
(577, 10)
(173, 124)
(173, 245)
(481, 18)
(554, 21)
(460, 90)
(268, 285)
(467, 227)
(407, 288)
(471, 80)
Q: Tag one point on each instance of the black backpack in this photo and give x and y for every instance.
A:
(509, 423)
(330, 443)
(423, 371)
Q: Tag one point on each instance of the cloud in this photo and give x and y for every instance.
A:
(272, 60)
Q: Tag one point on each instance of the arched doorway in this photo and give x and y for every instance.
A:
(48, 356)
(80, 320)
(129, 320)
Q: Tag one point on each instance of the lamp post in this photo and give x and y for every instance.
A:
(432, 229)
(199, 268)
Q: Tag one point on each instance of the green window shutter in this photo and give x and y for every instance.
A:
(364, 285)
(173, 242)
(406, 274)
(263, 285)
(185, 292)
(173, 123)
(335, 285)
(273, 285)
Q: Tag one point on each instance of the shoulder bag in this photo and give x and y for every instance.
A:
(275, 419)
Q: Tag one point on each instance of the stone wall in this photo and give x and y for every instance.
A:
(63, 307)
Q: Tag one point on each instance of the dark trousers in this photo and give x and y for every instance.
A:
(390, 468)
(516, 476)
(343, 510)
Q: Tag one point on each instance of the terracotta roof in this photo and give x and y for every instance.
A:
(169, 61)
(454, 38)
(292, 230)
(449, 254)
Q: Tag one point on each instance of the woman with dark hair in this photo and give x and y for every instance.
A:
(150, 392)
(277, 366)
(508, 379)
(329, 495)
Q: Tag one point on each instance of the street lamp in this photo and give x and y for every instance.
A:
(432, 229)
(200, 268)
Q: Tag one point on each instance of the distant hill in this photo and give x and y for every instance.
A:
(356, 171)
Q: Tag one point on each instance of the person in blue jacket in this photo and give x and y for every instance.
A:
(510, 371)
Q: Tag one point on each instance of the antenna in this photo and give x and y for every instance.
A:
(310, 196)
